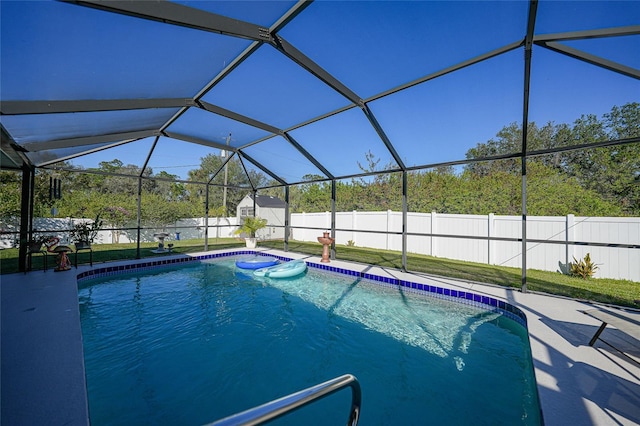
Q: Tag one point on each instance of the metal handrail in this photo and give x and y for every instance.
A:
(286, 404)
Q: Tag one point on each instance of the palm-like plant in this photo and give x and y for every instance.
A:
(250, 225)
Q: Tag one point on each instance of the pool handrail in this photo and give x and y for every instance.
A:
(286, 404)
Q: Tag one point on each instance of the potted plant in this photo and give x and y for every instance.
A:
(84, 233)
(249, 227)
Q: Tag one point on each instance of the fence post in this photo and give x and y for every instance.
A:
(354, 221)
(490, 232)
(569, 233)
(433, 231)
(327, 221)
(388, 225)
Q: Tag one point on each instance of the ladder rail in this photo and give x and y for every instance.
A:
(286, 404)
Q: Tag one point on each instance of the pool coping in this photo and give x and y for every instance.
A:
(43, 367)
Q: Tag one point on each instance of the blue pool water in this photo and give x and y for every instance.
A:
(190, 345)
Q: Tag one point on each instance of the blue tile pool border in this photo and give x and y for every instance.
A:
(458, 296)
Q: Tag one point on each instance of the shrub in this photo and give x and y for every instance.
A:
(250, 225)
(584, 268)
(86, 231)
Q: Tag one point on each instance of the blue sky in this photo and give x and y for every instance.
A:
(369, 46)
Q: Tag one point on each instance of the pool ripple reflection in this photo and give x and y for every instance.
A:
(194, 344)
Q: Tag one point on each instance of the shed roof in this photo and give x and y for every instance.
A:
(268, 201)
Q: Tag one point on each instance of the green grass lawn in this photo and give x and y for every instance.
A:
(602, 290)
(112, 252)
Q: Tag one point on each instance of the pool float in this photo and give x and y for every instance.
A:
(256, 262)
(284, 270)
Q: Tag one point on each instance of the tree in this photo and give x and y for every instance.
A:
(10, 195)
(42, 201)
(439, 190)
(623, 122)
(552, 193)
(373, 192)
(311, 196)
(117, 217)
(157, 212)
(211, 166)
(509, 141)
(611, 172)
(174, 191)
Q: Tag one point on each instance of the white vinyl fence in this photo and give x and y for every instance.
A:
(613, 262)
(186, 228)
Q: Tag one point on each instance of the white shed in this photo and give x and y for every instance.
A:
(267, 207)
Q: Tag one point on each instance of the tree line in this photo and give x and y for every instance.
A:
(601, 181)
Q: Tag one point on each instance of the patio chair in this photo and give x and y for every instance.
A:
(83, 246)
(35, 248)
(627, 322)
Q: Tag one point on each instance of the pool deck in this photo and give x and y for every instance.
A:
(42, 376)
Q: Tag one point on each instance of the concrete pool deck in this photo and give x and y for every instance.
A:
(42, 376)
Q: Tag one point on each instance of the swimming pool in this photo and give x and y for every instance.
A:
(192, 344)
